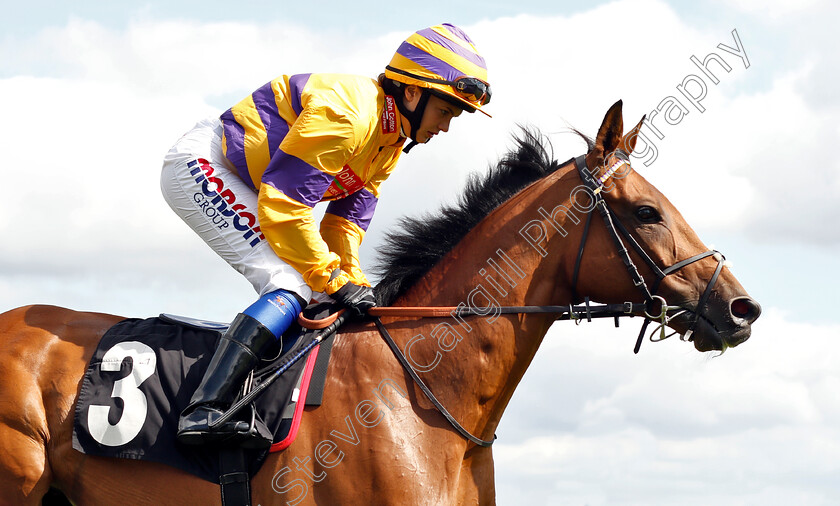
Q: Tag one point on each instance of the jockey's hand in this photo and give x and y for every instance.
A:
(358, 299)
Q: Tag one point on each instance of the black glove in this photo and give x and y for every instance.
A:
(358, 299)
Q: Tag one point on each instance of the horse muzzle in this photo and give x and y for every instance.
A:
(721, 324)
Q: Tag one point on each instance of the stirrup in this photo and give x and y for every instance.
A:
(255, 436)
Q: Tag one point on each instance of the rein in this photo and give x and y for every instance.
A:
(576, 313)
(616, 230)
(587, 311)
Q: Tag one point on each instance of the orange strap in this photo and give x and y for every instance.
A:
(428, 312)
(318, 324)
(415, 311)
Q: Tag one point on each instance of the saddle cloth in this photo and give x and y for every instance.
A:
(143, 374)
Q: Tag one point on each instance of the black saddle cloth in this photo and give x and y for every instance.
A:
(143, 374)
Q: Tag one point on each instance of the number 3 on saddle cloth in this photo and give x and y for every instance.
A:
(144, 372)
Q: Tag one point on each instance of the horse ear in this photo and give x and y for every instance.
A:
(628, 142)
(609, 135)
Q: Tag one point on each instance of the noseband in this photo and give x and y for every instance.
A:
(616, 230)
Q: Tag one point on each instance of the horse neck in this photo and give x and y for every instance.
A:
(496, 265)
(503, 256)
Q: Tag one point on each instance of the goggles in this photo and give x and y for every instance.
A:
(471, 89)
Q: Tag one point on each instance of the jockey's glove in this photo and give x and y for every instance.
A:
(358, 299)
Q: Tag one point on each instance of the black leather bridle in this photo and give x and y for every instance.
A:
(616, 230)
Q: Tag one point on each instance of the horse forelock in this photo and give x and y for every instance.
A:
(420, 242)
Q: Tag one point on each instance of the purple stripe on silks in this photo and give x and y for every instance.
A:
(296, 85)
(235, 146)
(296, 178)
(466, 54)
(357, 208)
(275, 126)
(429, 62)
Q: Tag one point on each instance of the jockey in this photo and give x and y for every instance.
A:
(247, 182)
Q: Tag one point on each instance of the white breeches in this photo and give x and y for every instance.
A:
(203, 188)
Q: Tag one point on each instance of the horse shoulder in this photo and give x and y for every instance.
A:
(369, 442)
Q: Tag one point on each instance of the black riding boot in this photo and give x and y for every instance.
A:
(238, 352)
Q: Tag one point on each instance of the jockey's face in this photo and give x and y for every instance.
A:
(436, 117)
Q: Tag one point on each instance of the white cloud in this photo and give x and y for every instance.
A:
(152, 80)
(670, 427)
(93, 110)
(756, 166)
(82, 164)
(636, 467)
(199, 59)
(776, 9)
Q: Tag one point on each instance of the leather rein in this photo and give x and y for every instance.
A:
(578, 313)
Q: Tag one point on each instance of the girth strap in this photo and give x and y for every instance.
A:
(234, 480)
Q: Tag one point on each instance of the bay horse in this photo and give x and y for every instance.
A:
(513, 239)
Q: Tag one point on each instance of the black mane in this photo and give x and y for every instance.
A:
(419, 243)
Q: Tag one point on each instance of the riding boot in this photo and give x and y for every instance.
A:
(238, 352)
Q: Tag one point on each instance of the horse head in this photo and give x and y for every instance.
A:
(685, 284)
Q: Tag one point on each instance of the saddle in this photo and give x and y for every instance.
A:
(144, 371)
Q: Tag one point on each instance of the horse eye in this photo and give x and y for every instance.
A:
(647, 214)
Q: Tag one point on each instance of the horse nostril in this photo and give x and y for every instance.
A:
(745, 308)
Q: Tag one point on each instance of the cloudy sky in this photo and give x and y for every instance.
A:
(94, 93)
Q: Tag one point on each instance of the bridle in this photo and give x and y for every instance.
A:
(619, 234)
(616, 231)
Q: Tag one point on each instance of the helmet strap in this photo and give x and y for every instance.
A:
(414, 117)
(410, 145)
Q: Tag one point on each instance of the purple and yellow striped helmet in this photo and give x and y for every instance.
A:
(443, 58)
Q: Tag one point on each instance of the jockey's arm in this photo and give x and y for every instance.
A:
(316, 148)
(343, 228)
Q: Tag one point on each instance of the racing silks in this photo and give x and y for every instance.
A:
(308, 138)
